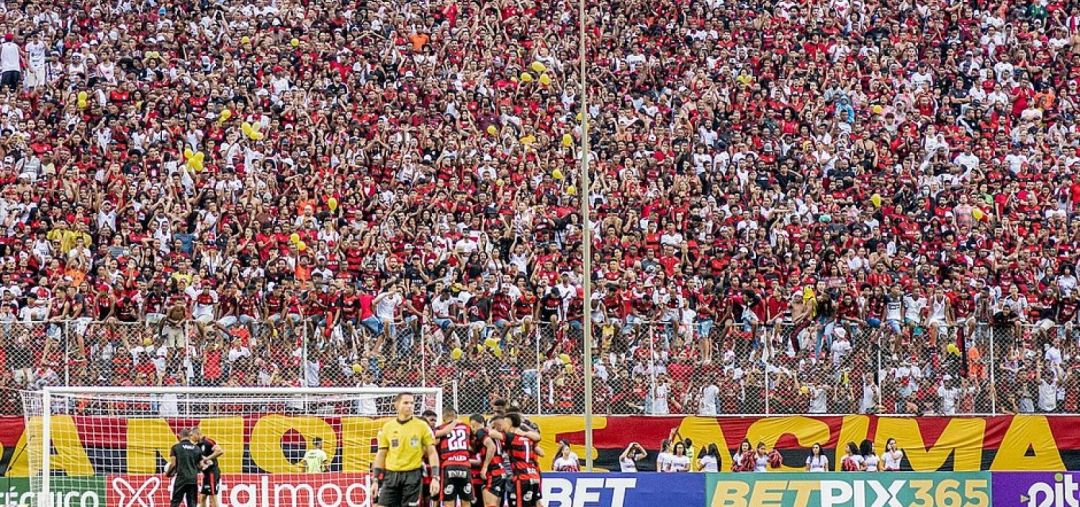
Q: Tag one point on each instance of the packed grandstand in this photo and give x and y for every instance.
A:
(838, 206)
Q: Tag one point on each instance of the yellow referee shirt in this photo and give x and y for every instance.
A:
(405, 443)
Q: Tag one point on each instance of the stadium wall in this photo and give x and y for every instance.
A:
(97, 445)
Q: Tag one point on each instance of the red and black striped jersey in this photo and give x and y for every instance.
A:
(495, 468)
(456, 446)
(522, 452)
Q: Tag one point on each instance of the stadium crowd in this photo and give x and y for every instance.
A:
(783, 193)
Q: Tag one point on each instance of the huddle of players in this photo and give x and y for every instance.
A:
(487, 463)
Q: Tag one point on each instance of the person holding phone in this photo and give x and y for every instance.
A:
(891, 458)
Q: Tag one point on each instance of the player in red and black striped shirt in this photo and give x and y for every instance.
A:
(488, 474)
(455, 449)
(521, 448)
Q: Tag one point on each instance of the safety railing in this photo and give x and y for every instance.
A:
(651, 368)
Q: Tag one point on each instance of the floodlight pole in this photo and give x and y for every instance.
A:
(586, 246)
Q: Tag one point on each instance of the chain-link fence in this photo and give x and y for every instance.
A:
(654, 368)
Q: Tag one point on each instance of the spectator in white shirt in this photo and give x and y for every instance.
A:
(10, 63)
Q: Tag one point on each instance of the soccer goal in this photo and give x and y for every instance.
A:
(109, 446)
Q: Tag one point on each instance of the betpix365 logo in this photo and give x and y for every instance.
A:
(826, 493)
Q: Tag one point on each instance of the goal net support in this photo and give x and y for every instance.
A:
(108, 446)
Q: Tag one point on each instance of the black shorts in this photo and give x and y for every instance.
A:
(456, 485)
(401, 488)
(496, 484)
(525, 493)
(10, 79)
(187, 494)
(211, 483)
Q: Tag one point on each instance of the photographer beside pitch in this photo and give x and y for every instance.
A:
(403, 442)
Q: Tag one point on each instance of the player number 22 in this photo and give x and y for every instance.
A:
(458, 440)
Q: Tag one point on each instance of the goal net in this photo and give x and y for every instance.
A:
(98, 447)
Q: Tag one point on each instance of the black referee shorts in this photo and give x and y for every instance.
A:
(401, 489)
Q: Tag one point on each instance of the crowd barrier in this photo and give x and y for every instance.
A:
(645, 489)
(642, 368)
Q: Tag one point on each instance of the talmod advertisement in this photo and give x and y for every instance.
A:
(250, 490)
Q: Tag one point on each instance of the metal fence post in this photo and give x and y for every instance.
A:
(304, 351)
(993, 376)
(766, 354)
(539, 370)
(423, 354)
(185, 357)
(879, 375)
(653, 361)
(66, 329)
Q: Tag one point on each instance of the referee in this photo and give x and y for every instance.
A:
(402, 445)
(184, 460)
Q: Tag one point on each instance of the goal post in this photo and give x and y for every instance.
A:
(287, 447)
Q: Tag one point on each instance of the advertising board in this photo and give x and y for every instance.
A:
(1037, 489)
(849, 489)
(623, 490)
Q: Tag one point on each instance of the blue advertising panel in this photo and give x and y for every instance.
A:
(623, 490)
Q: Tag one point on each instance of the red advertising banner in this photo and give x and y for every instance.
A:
(250, 490)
